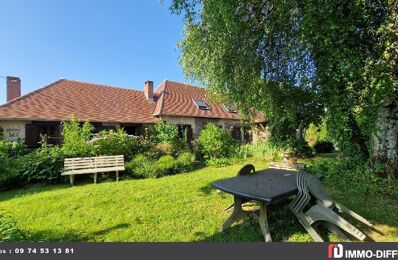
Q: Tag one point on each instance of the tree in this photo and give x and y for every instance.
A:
(230, 48)
(167, 133)
(214, 141)
(75, 139)
(383, 70)
(300, 60)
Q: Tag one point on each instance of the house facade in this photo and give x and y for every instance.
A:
(42, 112)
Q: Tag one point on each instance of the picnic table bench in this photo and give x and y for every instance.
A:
(95, 165)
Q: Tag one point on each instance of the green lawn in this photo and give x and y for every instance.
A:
(176, 208)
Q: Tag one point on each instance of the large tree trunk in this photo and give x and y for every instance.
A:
(386, 137)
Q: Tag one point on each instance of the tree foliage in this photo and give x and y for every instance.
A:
(111, 142)
(317, 133)
(75, 139)
(300, 60)
(166, 133)
(214, 141)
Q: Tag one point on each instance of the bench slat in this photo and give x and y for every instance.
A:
(86, 171)
(92, 163)
(94, 158)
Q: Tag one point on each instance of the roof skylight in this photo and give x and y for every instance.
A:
(201, 104)
(230, 109)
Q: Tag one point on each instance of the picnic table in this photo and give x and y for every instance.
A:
(267, 187)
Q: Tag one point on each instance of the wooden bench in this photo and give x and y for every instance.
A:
(99, 164)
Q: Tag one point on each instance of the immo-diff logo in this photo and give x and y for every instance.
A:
(336, 251)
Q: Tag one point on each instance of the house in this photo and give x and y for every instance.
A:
(42, 112)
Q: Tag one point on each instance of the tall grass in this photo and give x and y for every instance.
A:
(265, 150)
(10, 230)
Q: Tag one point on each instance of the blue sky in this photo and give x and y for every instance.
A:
(118, 43)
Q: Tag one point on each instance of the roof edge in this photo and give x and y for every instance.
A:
(103, 85)
(31, 93)
(160, 100)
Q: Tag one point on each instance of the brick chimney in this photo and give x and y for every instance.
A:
(13, 88)
(148, 90)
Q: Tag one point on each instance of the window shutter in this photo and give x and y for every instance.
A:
(32, 135)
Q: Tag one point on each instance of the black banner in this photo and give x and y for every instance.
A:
(229, 251)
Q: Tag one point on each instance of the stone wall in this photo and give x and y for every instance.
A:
(13, 130)
(197, 123)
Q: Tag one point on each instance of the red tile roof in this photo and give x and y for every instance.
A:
(63, 99)
(85, 101)
(177, 99)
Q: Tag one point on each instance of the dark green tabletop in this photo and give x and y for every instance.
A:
(267, 185)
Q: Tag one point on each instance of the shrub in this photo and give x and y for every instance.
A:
(118, 143)
(12, 149)
(143, 166)
(242, 152)
(215, 142)
(9, 177)
(317, 133)
(355, 177)
(75, 139)
(301, 149)
(154, 152)
(323, 147)
(166, 133)
(266, 150)
(1, 133)
(219, 162)
(185, 162)
(10, 231)
(166, 165)
(140, 167)
(198, 151)
(42, 166)
(165, 148)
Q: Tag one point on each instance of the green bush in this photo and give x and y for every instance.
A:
(317, 133)
(166, 133)
(12, 149)
(266, 150)
(166, 165)
(198, 151)
(301, 149)
(75, 139)
(140, 167)
(9, 177)
(10, 230)
(118, 143)
(143, 166)
(215, 142)
(185, 162)
(242, 152)
(165, 148)
(323, 147)
(42, 166)
(219, 162)
(355, 177)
